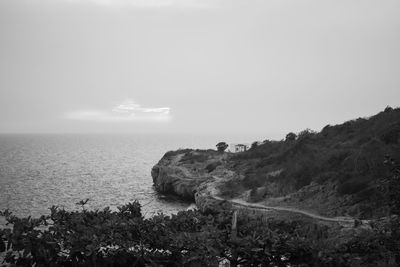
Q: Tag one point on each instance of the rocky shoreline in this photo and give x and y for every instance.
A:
(188, 175)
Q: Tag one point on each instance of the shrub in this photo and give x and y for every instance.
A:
(212, 166)
(306, 134)
(254, 180)
(290, 137)
(257, 194)
(177, 152)
(365, 193)
(391, 134)
(254, 145)
(388, 109)
(188, 238)
(193, 157)
(336, 158)
(325, 131)
(221, 146)
(231, 188)
(351, 187)
(303, 177)
(125, 238)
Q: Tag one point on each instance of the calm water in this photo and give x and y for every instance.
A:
(38, 171)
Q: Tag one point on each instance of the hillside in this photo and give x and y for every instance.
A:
(339, 171)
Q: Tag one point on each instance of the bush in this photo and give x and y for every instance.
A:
(188, 238)
(125, 238)
(336, 158)
(351, 187)
(306, 134)
(291, 137)
(193, 157)
(391, 134)
(231, 188)
(388, 109)
(212, 166)
(257, 194)
(254, 145)
(177, 152)
(221, 146)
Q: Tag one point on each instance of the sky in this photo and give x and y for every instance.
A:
(195, 66)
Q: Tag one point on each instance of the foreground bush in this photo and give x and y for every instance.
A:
(126, 238)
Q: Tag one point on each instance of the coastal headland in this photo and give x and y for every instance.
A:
(337, 174)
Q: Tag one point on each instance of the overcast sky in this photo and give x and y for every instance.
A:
(195, 65)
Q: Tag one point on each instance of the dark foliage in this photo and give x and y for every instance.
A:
(254, 145)
(291, 137)
(212, 166)
(388, 109)
(193, 157)
(351, 187)
(349, 155)
(222, 146)
(391, 134)
(177, 152)
(125, 238)
(391, 185)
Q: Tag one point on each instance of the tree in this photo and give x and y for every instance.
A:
(291, 136)
(221, 146)
(393, 185)
(388, 109)
(254, 145)
(305, 134)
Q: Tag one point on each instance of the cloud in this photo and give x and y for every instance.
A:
(151, 3)
(127, 111)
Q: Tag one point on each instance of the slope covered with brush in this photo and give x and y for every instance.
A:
(338, 171)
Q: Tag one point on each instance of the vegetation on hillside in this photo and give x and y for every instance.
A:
(350, 156)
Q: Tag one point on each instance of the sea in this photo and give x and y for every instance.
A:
(38, 171)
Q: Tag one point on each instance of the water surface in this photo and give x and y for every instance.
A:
(38, 171)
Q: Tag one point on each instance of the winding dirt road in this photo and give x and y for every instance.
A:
(242, 203)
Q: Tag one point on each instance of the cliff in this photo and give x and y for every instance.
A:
(193, 175)
(339, 171)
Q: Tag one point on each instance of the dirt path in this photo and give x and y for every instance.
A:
(212, 191)
(240, 202)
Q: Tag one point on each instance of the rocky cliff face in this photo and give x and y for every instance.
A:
(171, 180)
(193, 175)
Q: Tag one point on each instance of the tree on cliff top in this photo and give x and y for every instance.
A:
(221, 146)
(291, 137)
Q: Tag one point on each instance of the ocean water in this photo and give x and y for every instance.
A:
(38, 171)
